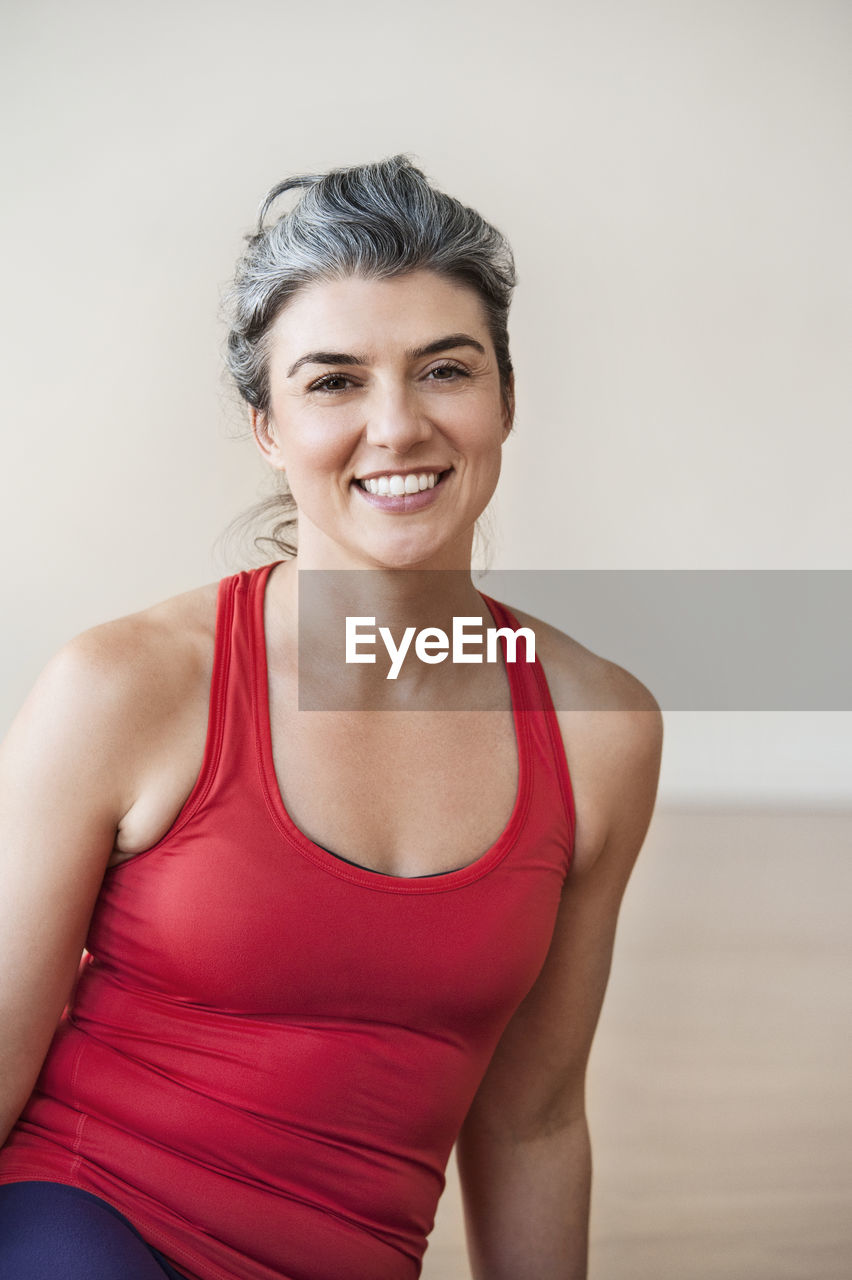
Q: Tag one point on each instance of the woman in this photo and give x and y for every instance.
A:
(321, 946)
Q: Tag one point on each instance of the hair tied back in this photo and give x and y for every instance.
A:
(289, 184)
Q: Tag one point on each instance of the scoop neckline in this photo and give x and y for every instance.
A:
(354, 872)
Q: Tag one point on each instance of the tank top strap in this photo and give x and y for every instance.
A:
(233, 710)
(532, 699)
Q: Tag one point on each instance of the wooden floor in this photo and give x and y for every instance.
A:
(720, 1083)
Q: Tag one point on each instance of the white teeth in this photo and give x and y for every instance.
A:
(397, 485)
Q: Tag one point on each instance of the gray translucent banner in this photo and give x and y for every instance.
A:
(700, 640)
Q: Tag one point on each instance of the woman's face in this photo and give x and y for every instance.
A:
(388, 380)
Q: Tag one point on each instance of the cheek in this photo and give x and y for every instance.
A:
(311, 448)
(488, 439)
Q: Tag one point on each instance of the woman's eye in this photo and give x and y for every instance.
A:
(331, 382)
(453, 370)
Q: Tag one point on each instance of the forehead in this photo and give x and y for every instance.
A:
(356, 313)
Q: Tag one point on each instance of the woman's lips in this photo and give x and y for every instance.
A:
(403, 502)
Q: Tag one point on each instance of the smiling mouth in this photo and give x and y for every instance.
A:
(398, 486)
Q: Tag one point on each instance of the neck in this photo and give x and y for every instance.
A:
(378, 613)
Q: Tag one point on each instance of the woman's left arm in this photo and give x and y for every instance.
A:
(524, 1154)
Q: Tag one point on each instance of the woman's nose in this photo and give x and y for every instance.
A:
(395, 419)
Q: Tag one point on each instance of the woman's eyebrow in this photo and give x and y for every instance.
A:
(451, 341)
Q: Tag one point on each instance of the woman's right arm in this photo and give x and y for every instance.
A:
(65, 783)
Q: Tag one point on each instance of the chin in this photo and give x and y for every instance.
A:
(407, 557)
(400, 561)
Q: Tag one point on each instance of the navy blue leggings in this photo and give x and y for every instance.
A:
(52, 1232)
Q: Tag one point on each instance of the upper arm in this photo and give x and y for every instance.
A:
(65, 781)
(536, 1078)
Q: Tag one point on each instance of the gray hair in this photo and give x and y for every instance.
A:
(374, 220)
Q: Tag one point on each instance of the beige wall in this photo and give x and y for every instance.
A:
(674, 178)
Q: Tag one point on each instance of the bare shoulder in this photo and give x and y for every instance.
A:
(116, 716)
(612, 731)
(581, 680)
(141, 684)
(146, 654)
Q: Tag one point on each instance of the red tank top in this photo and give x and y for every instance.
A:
(270, 1051)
